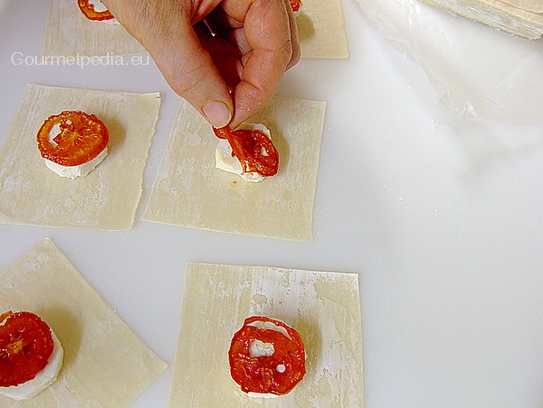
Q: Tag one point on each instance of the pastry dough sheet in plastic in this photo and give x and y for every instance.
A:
(105, 363)
(535, 6)
(189, 191)
(108, 197)
(497, 14)
(495, 79)
(324, 307)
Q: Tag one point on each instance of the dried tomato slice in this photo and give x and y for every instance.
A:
(277, 373)
(88, 10)
(26, 343)
(253, 148)
(295, 4)
(82, 137)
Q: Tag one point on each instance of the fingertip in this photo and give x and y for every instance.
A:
(217, 113)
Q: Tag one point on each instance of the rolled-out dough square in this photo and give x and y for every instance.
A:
(108, 197)
(69, 33)
(534, 6)
(321, 30)
(324, 307)
(105, 363)
(189, 191)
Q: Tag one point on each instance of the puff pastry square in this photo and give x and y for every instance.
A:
(324, 307)
(321, 30)
(69, 33)
(189, 191)
(105, 363)
(108, 197)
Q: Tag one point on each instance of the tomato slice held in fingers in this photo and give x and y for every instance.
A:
(26, 343)
(266, 356)
(295, 4)
(90, 12)
(253, 148)
(72, 138)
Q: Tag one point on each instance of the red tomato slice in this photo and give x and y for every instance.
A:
(82, 137)
(88, 10)
(253, 148)
(26, 343)
(277, 373)
(295, 4)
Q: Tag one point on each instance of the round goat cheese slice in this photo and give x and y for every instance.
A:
(73, 143)
(43, 379)
(31, 355)
(267, 357)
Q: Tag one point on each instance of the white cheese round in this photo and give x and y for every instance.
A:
(258, 395)
(260, 349)
(99, 7)
(265, 325)
(42, 380)
(76, 171)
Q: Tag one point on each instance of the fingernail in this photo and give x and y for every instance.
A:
(217, 113)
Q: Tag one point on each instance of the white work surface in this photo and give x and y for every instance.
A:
(444, 227)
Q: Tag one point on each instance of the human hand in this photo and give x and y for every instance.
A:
(224, 57)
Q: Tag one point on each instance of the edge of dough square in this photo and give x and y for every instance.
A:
(189, 191)
(533, 6)
(324, 307)
(108, 197)
(321, 30)
(105, 363)
(69, 33)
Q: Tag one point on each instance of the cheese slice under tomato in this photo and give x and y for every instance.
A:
(95, 10)
(267, 357)
(73, 143)
(25, 342)
(226, 160)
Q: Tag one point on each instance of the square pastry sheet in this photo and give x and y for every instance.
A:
(324, 307)
(105, 363)
(69, 33)
(108, 197)
(189, 191)
(321, 30)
